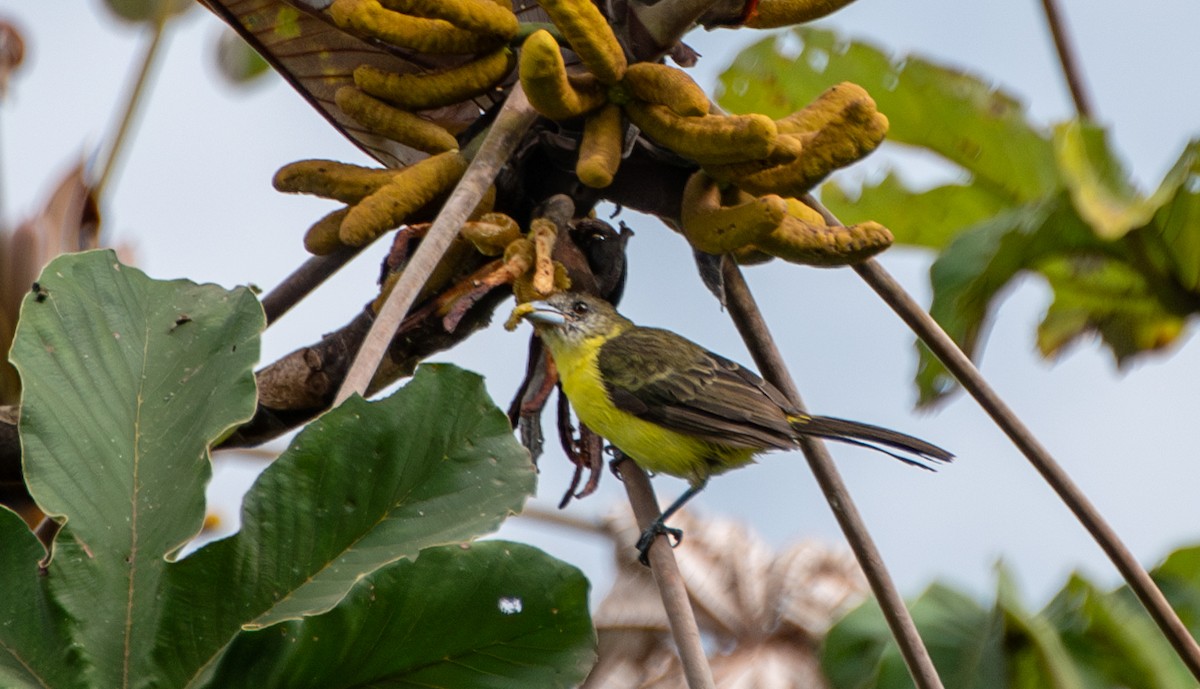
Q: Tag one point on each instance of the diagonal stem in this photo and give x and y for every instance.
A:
(1066, 58)
(964, 370)
(754, 331)
(671, 587)
(513, 120)
(304, 280)
(134, 99)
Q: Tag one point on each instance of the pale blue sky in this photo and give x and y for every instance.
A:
(195, 199)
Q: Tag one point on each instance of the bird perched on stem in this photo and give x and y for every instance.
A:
(676, 408)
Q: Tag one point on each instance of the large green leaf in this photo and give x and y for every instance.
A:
(367, 484)
(125, 383)
(35, 642)
(981, 261)
(1098, 183)
(1176, 223)
(1109, 298)
(1113, 639)
(963, 638)
(1037, 657)
(957, 115)
(494, 615)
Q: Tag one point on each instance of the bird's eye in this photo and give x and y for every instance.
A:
(579, 308)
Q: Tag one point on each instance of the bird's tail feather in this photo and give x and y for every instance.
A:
(873, 437)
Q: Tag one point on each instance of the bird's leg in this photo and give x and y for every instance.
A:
(659, 525)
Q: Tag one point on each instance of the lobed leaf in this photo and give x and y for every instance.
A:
(955, 114)
(493, 615)
(126, 381)
(366, 485)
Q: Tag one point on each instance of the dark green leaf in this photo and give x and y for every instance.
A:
(126, 381)
(494, 615)
(1112, 639)
(1176, 224)
(35, 643)
(366, 485)
(1179, 578)
(147, 10)
(964, 640)
(1036, 655)
(1098, 183)
(237, 61)
(954, 114)
(1109, 298)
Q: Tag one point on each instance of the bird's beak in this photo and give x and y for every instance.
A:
(541, 312)
(537, 313)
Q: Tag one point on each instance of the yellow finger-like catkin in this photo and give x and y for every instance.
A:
(715, 228)
(773, 14)
(436, 89)
(322, 238)
(544, 233)
(393, 123)
(812, 244)
(826, 108)
(413, 188)
(370, 19)
(590, 36)
(544, 79)
(492, 233)
(840, 143)
(330, 179)
(711, 139)
(479, 16)
(662, 85)
(600, 148)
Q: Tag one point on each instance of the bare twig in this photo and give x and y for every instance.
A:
(963, 369)
(749, 321)
(565, 520)
(136, 91)
(304, 280)
(1066, 58)
(670, 582)
(506, 132)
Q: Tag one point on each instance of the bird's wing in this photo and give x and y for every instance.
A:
(661, 377)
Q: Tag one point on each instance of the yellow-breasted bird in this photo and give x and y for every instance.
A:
(676, 408)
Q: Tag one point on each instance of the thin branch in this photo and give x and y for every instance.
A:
(749, 321)
(1066, 58)
(960, 365)
(565, 520)
(136, 92)
(670, 582)
(513, 120)
(304, 280)
(963, 369)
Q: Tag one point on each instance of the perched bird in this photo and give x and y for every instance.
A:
(676, 408)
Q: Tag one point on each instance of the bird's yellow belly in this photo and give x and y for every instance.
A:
(653, 447)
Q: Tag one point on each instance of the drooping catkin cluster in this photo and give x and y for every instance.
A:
(753, 167)
(743, 201)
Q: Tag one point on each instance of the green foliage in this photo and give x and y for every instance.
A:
(237, 62)
(354, 533)
(1059, 204)
(1085, 638)
(147, 11)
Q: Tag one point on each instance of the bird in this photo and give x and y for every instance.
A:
(676, 408)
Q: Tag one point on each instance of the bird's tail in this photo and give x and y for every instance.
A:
(918, 452)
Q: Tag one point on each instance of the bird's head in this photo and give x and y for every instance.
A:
(570, 318)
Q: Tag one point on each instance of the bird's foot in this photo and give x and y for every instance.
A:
(674, 537)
